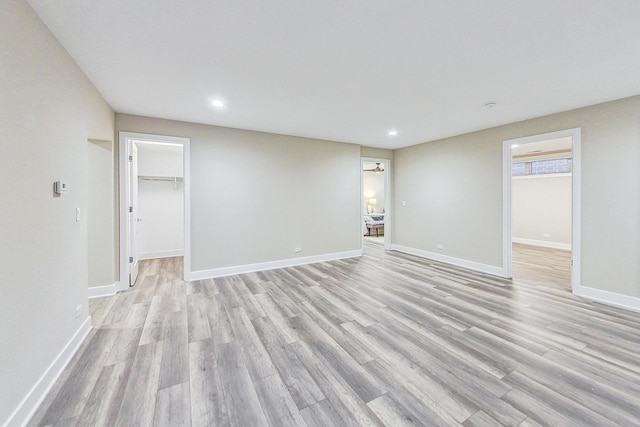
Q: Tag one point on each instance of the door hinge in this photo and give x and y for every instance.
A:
(130, 259)
(131, 158)
(130, 208)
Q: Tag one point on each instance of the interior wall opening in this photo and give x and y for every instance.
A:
(541, 212)
(375, 201)
(542, 194)
(154, 202)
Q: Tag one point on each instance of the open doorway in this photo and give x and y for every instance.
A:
(154, 208)
(375, 201)
(542, 209)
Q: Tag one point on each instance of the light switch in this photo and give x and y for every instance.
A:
(77, 214)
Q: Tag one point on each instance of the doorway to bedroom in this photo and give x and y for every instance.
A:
(375, 201)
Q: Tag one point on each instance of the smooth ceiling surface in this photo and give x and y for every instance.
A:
(352, 70)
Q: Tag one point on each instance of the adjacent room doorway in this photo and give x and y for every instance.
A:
(130, 216)
(542, 209)
(376, 204)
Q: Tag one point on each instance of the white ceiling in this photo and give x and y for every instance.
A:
(549, 145)
(352, 70)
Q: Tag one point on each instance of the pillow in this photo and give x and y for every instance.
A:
(377, 217)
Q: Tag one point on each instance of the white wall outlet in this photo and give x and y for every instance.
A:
(297, 250)
(404, 203)
(78, 311)
(77, 214)
(439, 246)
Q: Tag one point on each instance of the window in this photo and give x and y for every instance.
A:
(541, 167)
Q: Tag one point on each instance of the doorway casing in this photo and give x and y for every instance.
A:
(126, 139)
(507, 253)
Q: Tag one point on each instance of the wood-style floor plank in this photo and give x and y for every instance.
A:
(384, 339)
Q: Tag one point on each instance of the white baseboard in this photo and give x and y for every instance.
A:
(160, 254)
(609, 298)
(103, 291)
(543, 243)
(472, 265)
(270, 265)
(28, 406)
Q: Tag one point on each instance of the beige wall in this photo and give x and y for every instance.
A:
(376, 153)
(256, 196)
(453, 193)
(541, 210)
(100, 214)
(48, 111)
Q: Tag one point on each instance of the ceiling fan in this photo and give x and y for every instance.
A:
(377, 169)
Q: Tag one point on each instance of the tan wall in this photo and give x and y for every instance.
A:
(541, 209)
(453, 190)
(256, 196)
(48, 111)
(100, 214)
(376, 153)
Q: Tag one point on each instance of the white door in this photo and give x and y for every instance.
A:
(133, 214)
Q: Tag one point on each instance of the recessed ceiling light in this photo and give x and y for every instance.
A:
(514, 145)
(489, 105)
(217, 103)
(392, 133)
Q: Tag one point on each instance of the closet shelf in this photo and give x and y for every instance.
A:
(160, 178)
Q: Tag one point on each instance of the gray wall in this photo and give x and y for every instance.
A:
(256, 196)
(48, 111)
(453, 190)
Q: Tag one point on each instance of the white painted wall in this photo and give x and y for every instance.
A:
(48, 111)
(541, 210)
(254, 195)
(453, 193)
(373, 187)
(160, 203)
(160, 160)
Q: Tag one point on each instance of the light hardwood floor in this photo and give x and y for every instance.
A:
(386, 339)
(545, 266)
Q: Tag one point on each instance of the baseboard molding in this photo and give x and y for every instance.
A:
(609, 298)
(160, 254)
(38, 392)
(103, 291)
(543, 243)
(271, 265)
(471, 265)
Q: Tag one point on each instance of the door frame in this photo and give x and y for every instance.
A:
(125, 141)
(387, 198)
(507, 253)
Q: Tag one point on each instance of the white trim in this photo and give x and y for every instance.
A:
(471, 265)
(125, 138)
(543, 243)
(160, 254)
(507, 247)
(543, 175)
(271, 265)
(103, 291)
(387, 197)
(29, 404)
(609, 298)
(576, 215)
